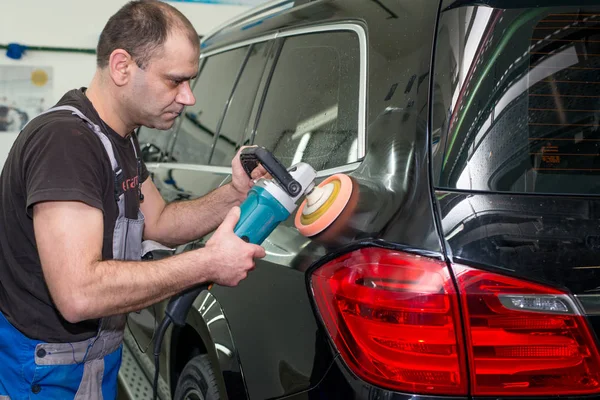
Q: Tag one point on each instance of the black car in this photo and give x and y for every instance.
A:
(470, 264)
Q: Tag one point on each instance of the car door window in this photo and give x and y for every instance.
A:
(235, 123)
(212, 90)
(310, 111)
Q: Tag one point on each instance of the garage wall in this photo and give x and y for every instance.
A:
(77, 24)
(69, 70)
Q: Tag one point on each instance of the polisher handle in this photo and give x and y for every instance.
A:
(252, 156)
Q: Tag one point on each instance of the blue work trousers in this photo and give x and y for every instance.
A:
(31, 369)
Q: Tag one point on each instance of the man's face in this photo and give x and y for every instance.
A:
(161, 90)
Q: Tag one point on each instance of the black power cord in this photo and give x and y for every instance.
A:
(157, 345)
(176, 312)
(133, 335)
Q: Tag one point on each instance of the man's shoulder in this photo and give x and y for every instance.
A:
(58, 116)
(60, 133)
(62, 114)
(60, 125)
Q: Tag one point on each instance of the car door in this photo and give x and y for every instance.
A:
(312, 110)
(225, 90)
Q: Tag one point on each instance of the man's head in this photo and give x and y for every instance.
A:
(147, 54)
(141, 28)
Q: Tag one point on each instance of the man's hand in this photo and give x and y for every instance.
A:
(233, 258)
(240, 180)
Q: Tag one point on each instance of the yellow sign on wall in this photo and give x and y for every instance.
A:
(25, 91)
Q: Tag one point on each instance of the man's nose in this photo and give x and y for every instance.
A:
(185, 95)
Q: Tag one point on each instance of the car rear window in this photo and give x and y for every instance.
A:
(516, 102)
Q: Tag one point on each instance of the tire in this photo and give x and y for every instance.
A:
(197, 381)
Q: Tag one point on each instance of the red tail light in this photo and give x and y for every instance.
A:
(392, 317)
(525, 338)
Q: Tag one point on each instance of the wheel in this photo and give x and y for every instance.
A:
(197, 381)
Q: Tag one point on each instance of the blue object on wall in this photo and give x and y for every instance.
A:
(15, 51)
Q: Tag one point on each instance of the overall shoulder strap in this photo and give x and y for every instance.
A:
(118, 172)
(101, 135)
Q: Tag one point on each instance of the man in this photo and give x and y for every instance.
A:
(75, 201)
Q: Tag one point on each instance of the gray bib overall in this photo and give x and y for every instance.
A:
(81, 370)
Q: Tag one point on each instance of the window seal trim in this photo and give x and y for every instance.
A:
(264, 38)
(346, 168)
(152, 166)
(362, 87)
(189, 167)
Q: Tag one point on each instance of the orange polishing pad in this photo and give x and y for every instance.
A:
(335, 193)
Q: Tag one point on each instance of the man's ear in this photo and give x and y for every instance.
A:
(120, 64)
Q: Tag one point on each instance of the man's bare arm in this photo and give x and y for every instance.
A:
(69, 241)
(183, 221)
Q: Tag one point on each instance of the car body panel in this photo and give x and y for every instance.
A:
(285, 358)
(551, 239)
(289, 356)
(265, 336)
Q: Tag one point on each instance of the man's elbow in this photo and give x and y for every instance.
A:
(157, 236)
(151, 233)
(74, 308)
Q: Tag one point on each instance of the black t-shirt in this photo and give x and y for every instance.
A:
(57, 157)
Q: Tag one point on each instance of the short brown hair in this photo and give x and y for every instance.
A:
(141, 27)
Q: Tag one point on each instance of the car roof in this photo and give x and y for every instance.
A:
(391, 18)
(253, 16)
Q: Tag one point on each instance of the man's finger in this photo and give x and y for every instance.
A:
(259, 252)
(258, 172)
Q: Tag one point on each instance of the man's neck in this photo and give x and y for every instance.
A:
(107, 109)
